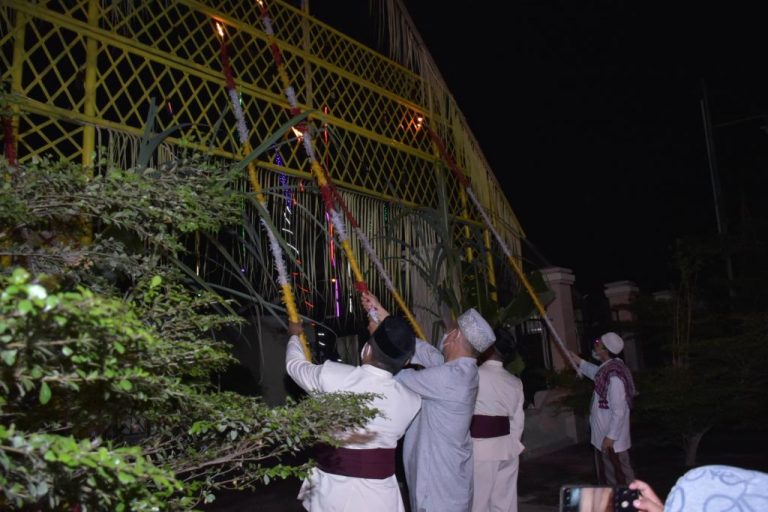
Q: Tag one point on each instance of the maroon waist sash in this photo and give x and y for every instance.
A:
(483, 427)
(375, 463)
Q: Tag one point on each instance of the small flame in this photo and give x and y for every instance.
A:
(220, 28)
(415, 123)
(299, 135)
(261, 3)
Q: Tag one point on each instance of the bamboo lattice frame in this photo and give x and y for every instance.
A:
(83, 67)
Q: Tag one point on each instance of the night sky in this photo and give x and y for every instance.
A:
(589, 113)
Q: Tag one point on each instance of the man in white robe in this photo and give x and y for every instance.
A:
(496, 430)
(437, 451)
(360, 475)
(609, 413)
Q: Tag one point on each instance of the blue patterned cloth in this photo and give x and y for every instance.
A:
(719, 489)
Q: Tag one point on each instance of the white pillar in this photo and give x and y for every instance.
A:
(560, 312)
(621, 295)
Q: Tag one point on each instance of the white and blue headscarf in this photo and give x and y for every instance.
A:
(719, 489)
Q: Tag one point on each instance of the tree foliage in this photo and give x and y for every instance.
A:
(707, 349)
(106, 351)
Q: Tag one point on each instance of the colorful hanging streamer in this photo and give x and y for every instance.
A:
(327, 190)
(274, 245)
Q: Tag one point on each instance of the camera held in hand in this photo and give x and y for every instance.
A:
(597, 498)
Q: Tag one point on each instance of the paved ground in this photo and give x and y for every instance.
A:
(541, 478)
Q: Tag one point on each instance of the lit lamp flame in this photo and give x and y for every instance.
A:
(415, 123)
(299, 135)
(220, 29)
(261, 3)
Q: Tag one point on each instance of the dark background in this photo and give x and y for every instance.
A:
(589, 113)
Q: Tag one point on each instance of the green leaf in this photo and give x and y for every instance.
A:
(67, 351)
(19, 276)
(45, 393)
(10, 291)
(156, 281)
(25, 306)
(67, 459)
(126, 385)
(9, 356)
(51, 302)
(149, 144)
(119, 347)
(125, 478)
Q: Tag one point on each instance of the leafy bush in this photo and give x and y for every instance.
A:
(106, 352)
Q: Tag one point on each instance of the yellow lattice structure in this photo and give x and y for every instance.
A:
(87, 68)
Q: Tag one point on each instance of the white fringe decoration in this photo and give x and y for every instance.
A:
(291, 95)
(338, 223)
(375, 259)
(268, 26)
(277, 253)
(242, 128)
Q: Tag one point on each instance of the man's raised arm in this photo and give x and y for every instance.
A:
(303, 372)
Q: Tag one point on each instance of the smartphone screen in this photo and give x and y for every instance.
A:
(595, 498)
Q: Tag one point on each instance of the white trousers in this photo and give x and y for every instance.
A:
(496, 485)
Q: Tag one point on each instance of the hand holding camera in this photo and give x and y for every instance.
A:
(595, 498)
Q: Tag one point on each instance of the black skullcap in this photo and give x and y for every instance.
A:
(395, 340)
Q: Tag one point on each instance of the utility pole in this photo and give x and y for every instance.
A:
(720, 217)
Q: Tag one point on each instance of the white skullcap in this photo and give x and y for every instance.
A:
(476, 330)
(612, 342)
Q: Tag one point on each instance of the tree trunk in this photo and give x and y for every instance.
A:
(691, 444)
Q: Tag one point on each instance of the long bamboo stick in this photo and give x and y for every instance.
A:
(375, 259)
(465, 183)
(327, 190)
(277, 251)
